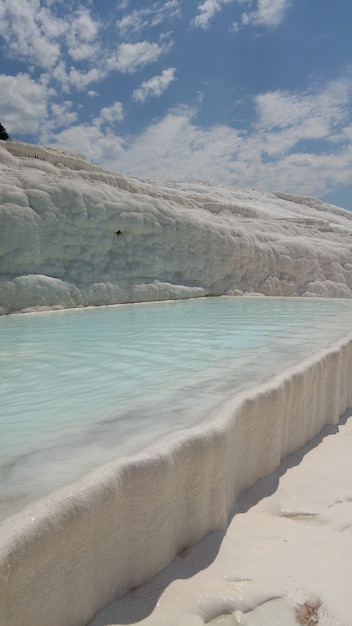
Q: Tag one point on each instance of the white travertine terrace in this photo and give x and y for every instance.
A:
(65, 558)
(72, 234)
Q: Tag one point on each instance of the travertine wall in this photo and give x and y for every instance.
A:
(72, 234)
(69, 555)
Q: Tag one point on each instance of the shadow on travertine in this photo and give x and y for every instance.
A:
(139, 603)
(266, 486)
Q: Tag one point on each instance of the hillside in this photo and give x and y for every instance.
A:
(73, 234)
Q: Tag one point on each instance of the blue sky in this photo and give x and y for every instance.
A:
(249, 93)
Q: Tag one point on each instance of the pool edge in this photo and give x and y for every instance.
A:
(66, 557)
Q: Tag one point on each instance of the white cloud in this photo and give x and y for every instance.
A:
(123, 5)
(80, 51)
(166, 11)
(34, 34)
(132, 23)
(62, 115)
(155, 86)
(98, 146)
(60, 74)
(156, 13)
(81, 38)
(286, 118)
(113, 113)
(268, 156)
(30, 32)
(67, 41)
(269, 13)
(78, 78)
(23, 103)
(81, 79)
(177, 149)
(207, 10)
(131, 57)
(234, 27)
(85, 27)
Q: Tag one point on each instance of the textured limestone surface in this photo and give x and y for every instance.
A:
(71, 554)
(283, 561)
(72, 234)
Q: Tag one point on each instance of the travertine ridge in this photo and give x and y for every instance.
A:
(72, 234)
(66, 557)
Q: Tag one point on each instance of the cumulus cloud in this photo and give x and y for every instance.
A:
(131, 24)
(166, 11)
(62, 114)
(176, 148)
(207, 10)
(81, 79)
(34, 34)
(293, 117)
(131, 57)
(112, 114)
(68, 78)
(40, 33)
(134, 22)
(69, 45)
(23, 103)
(31, 32)
(268, 156)
(269, 13)
(155, 86)
(81, 37)
(101, 147)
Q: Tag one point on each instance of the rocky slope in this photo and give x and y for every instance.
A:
(72, 234)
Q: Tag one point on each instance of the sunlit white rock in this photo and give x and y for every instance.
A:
(72, 234)
(67, 556)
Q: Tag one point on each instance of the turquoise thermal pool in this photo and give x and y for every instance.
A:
(83, 387)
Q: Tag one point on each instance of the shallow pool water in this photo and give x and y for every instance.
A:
(82, 387)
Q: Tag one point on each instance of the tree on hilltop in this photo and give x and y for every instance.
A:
(3, 133)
